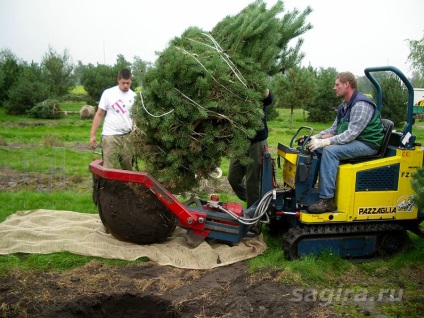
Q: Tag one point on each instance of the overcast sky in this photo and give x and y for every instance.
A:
(348, 36)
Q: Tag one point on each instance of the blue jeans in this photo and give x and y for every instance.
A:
(330, 159)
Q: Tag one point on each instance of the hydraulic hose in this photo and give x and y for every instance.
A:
(261, 209)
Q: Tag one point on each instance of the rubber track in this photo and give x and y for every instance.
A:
(294, 235)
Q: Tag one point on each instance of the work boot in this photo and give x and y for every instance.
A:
(323, 205)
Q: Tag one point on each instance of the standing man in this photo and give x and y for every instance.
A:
(357, 131)
(246, 180)
(116, 103)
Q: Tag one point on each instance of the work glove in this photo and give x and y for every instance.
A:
(312, 138)
(315, 144)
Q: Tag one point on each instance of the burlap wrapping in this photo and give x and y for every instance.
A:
(49, 231)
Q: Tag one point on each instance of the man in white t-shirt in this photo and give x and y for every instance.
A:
(116, 103)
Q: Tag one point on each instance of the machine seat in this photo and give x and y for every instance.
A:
(388, 128)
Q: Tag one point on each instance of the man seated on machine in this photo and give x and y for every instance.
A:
(357, 131)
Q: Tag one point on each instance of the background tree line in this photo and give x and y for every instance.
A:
(205, 89)
(24, 85)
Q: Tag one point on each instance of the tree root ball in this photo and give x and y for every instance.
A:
(87, 112)
(132, 213)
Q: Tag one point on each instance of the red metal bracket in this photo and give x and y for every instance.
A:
(188, 218)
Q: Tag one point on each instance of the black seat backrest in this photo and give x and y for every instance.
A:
(387, 130)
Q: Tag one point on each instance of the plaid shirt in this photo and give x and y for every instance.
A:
(360, 116)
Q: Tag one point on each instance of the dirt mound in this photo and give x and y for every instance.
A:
(149, 290)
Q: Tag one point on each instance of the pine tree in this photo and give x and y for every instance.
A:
(202, 98)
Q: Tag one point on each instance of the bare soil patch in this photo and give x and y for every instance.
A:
(23, 124)
(149, 290)
(12, 180)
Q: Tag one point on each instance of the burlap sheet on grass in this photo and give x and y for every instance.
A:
(50, 231)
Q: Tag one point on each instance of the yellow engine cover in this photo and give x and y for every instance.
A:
(379, 189)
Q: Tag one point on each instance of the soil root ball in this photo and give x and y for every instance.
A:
(132, 213)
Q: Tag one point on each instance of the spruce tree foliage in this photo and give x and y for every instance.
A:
(23, 85)
(58, 72)
(201, 109)
(10, 70)
(296, 88)
(324, 107)
(28, 90)
(394, 99)
(48, 109)
(202, 98)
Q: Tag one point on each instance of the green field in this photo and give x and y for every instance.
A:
(44, 165)
(59, 148)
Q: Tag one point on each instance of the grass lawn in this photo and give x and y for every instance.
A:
(46, 163)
